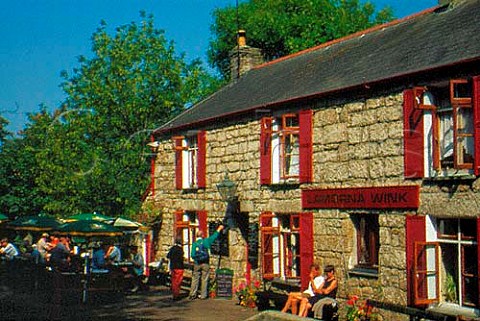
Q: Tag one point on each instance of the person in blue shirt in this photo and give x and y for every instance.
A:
(98, 258)
(201, 263)
(8, 250)
(138, 269)
(113, 255)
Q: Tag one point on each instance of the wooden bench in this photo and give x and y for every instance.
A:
(275, 293)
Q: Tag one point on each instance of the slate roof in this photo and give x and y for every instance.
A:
(441, 36)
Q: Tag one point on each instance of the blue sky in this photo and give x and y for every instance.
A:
(40, 38)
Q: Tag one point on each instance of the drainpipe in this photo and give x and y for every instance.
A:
(152, 168)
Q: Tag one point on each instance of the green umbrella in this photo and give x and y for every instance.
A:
(34, 223)
(89, 228)
(90, 216)
(3, 217)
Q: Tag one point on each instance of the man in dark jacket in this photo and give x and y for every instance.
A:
(176, 256)
(201, 266)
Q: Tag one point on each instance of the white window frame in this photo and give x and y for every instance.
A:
(188, 227)
(189, 162)
(280, 133)
(432, 237)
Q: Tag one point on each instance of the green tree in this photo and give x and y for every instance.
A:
(19, 194)
(4, 133)
(281, 28)
(97, 157)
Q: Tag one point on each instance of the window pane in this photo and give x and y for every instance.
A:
(470, 259)
(447, 227)
(461, 90)
(291, 153)
(465, 140)
(450, 263)
(291, 121)
(471, 291)
(446, 139)
(468, 229)
(191, 161)
(469, 275)
(367, 230)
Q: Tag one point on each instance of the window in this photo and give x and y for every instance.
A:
(286, 148)
(440, 133)
(190, 161)
(287, 253)
(444, 266)
(457, 239)
(367, 240)
(187, 223)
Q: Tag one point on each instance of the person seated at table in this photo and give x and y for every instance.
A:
(134, 274)
(8, 250)
(60, 255)
(316, 282)
(323, 295)
(42, 247)
(113, 255)
(98, 257)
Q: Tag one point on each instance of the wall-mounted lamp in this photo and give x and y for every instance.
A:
(228, 192)
(227, 189)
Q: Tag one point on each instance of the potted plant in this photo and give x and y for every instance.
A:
(360, 310)
(246, 293)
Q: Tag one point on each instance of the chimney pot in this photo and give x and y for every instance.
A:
(242, 57)
(241, 38)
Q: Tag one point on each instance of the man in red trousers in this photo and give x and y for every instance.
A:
(175, 255)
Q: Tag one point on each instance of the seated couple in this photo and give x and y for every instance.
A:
(320, 289)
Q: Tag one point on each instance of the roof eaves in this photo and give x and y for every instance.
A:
(351, 36)
(191, 109)
(165, 129)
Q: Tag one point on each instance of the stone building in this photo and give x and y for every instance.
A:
(363, 152)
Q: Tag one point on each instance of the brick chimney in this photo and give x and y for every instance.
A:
(243, 57)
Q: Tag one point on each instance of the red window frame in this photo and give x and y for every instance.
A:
(199, 170)
(180, 225)
(413, 128)
(301, 223)
(421, 272)
(305, 147)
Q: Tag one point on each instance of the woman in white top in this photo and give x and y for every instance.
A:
(316, 282)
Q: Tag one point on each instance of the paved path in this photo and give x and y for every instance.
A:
(155, 304)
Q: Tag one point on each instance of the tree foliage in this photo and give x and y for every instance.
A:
(280, 28)
(19, 194)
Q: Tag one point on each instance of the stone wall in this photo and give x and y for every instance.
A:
(355, 144)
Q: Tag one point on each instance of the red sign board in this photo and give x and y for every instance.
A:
(391, 197)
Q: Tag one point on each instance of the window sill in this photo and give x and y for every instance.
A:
(452, 177)
(285, 185)
(188, 190)
(364, 272)
(451, 309)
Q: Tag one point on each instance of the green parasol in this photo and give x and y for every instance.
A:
(88, 228)
(34, 223)
(90, 216)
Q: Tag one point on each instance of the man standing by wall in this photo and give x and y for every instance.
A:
(176, 256)
(201, 260)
